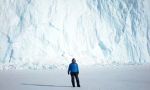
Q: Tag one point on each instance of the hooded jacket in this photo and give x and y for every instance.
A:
(73, 67)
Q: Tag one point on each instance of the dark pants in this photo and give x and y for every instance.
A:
(75, 75)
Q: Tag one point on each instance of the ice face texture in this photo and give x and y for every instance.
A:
(51, 32)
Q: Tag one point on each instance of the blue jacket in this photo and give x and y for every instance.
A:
(73, 67)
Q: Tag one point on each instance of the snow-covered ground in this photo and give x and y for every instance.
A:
(127, 77)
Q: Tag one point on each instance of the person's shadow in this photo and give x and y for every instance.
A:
(29, 84)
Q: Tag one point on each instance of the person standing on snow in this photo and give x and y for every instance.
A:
(73, 70)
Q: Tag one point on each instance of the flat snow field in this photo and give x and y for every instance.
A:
(127, 77)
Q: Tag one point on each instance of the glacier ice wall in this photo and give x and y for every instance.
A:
(48, 33)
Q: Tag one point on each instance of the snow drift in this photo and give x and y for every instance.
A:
(48, 33)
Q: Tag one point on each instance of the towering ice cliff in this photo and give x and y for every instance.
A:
(48, 33)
